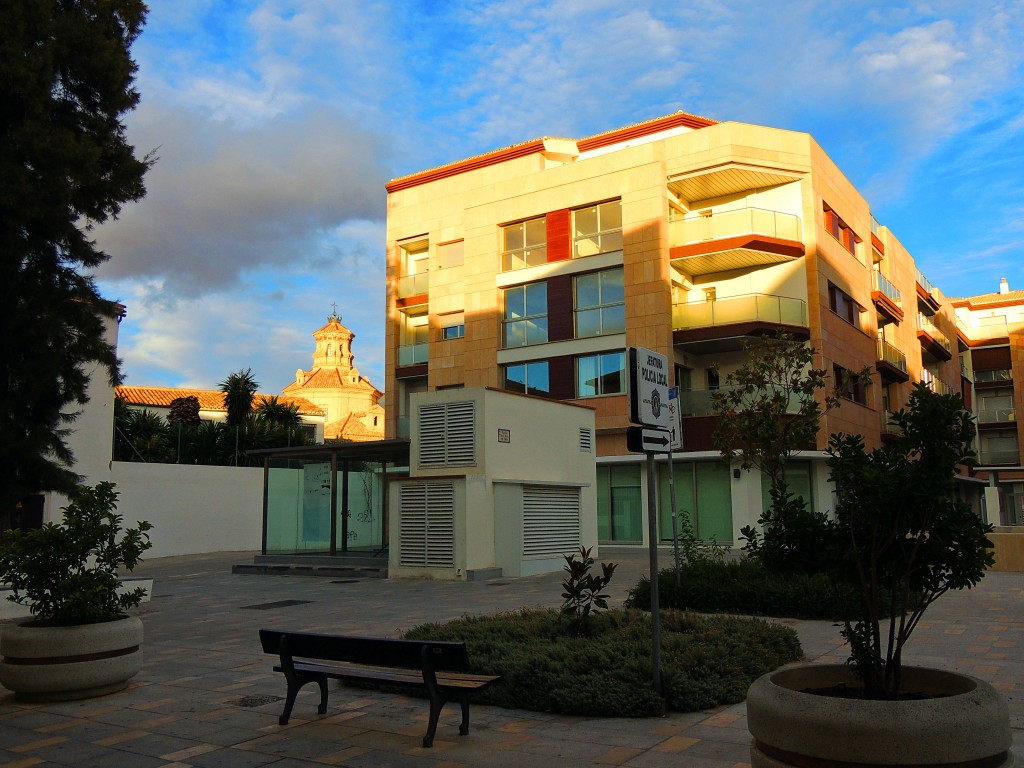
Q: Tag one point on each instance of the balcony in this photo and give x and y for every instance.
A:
(722, 324)
(1001, 376)
(997, 415)
(413, 354)
(987, 328)
(926, 292)
(413, 285)
(993, 456)
(890, 429)
(697, 402)
(932, 339)
(402, 428)
(890, 362)
(936, 385)
(887, 297)
(743, 238)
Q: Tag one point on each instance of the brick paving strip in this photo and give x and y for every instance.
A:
(207, 695)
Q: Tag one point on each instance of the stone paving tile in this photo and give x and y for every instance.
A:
(203, 658)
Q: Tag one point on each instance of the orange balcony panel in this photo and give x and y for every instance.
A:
(933, 347)
(736, 252)
(887, 307)
(412, 301)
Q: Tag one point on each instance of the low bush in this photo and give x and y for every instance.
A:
(740, 586)
(546, 667)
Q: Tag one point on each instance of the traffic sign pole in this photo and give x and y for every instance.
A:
(652, 535)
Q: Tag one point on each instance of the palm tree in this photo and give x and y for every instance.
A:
(239, 389)
(277, 412)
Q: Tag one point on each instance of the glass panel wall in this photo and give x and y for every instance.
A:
(703, 491)
(299, 505)
(619, 504)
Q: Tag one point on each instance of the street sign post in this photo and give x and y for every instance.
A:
(648, 407)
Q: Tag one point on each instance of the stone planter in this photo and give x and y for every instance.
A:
(65, 663)
(968, 726)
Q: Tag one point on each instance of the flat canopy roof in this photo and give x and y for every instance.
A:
(396, 450)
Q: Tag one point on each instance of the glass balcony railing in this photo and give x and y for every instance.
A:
(935, 384)
(413, 285)
(889, 427)
(740, 309)
(402, 426)
(413, 354)
(997, 415)
(881, 283)
(521, 258)
(745, 221)
(876, 228)
(925, 283)
(999, 456)
(697, 402)
(994, 327)
(925, 324)
(986, 376)
(889, 354)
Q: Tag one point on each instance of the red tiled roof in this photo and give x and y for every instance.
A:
(209, 399)
(329, 378)
(990, 300)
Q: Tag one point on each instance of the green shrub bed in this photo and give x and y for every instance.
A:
(740, 586)
(546, 667)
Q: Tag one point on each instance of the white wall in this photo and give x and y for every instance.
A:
(193, 509)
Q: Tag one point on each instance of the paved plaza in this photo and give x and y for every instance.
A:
(207, 695)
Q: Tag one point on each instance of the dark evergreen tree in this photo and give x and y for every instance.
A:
(66, 81)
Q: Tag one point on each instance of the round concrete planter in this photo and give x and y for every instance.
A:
(65, 663)
(968, 726)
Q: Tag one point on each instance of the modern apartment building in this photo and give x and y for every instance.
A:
(534, 267)
(992, 335)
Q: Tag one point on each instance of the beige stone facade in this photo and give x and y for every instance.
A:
(347, 398)
(533, 268)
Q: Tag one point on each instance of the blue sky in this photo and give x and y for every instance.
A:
(276, 124)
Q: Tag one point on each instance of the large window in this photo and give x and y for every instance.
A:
(453, 326)
(528, 378)
(597, 229)
(524, 244)
(602, 374)
(526, 315)
(600, 303)
(850, 385)
(841, 231)
(841, 303)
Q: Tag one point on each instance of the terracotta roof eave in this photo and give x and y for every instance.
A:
(614, 136)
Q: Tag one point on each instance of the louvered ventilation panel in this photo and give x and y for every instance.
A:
(448, 434)
(586, 440)
(551, 520)
(428, 524)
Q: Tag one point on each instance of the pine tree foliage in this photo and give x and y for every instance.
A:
(66, 81)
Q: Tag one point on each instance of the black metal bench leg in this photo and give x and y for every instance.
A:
(464, 701)
(322, 682)
(435, 712)
(289, 702)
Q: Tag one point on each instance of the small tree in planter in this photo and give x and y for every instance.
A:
(900, 532)
(67, 573)
(81, 642)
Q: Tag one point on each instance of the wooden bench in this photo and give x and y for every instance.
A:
(439, 668)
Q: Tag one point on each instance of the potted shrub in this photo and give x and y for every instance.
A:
(902, 537)
(80, 641)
